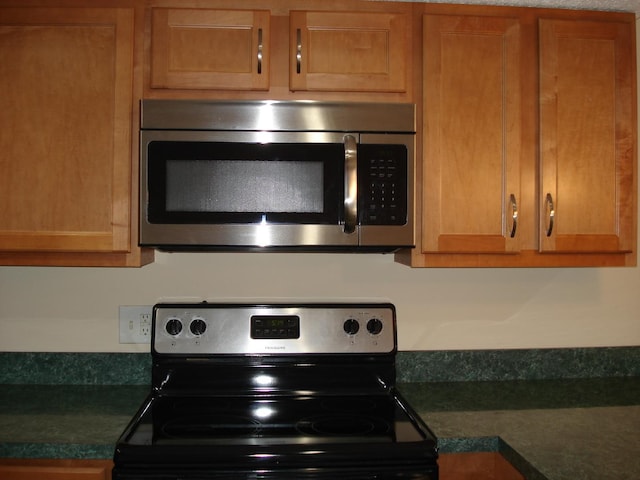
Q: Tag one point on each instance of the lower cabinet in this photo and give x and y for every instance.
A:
(477, 466)
(453, 466)
(18, 469)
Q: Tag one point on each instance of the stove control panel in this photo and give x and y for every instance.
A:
(218, 329)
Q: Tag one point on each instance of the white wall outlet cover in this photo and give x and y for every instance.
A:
(135, 323)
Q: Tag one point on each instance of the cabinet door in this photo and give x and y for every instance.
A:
(587, 146)
(477, 466)
(210, 49)
(349, 51)
(17, 469)
(65, 130)
(471, 134)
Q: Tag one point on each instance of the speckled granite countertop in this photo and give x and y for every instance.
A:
(65, 421)
(585, 424)
(554, 430)
(566, 429)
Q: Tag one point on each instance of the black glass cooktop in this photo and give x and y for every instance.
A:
(285, 432)
(295, 420)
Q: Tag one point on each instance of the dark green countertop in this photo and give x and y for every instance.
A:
(556, 414)
(65, 421)
(549, 429)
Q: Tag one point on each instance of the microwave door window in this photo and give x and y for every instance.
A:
(241, 186)
(213, 182)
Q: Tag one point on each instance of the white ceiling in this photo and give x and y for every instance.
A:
(619, 5)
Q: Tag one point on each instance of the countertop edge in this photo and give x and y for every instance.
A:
(74, 451)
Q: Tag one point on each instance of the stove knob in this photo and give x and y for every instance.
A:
(374, 326)
(351, 326)
(198, 326)
(173, 326)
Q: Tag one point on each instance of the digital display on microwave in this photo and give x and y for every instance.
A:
(244, 186)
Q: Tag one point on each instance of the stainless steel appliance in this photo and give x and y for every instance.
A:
(275, 391)
(291, 175)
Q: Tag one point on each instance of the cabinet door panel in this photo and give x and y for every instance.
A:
(587, 136)
(65, 141)
(477, 466)
(347, 51)
(210, 49)
(37, 469)
(471, 185)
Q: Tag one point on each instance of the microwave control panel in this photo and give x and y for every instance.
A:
(382, 184)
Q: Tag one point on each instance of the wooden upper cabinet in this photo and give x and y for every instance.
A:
(471, 132)
(364, 47)
(210, 49)
(65, 132)
(349, 51)
(587, 136)
(528, 139)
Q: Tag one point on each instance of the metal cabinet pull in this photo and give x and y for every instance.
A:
(259, 51)
(350, 183)
(514, 215)
(298, 50)
(551, 214)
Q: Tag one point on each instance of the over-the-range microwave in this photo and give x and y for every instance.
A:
(276, 175)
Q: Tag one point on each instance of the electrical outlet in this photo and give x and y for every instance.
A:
(135, 323)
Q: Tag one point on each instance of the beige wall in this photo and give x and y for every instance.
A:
(71, 309)
(74, 309)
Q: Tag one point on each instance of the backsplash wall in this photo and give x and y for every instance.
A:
(76, 309)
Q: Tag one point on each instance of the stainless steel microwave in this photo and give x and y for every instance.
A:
(276, 175)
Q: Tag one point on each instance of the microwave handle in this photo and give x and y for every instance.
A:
(350, 183)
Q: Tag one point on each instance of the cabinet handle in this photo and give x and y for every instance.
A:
(551, 214)
(259, 51)
(350, 183)
(514, 215)
(298, 50)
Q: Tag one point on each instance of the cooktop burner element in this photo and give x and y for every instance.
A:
(210, 426)
(277, 391)
(337, 425)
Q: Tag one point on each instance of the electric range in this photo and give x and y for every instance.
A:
(275, 391)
